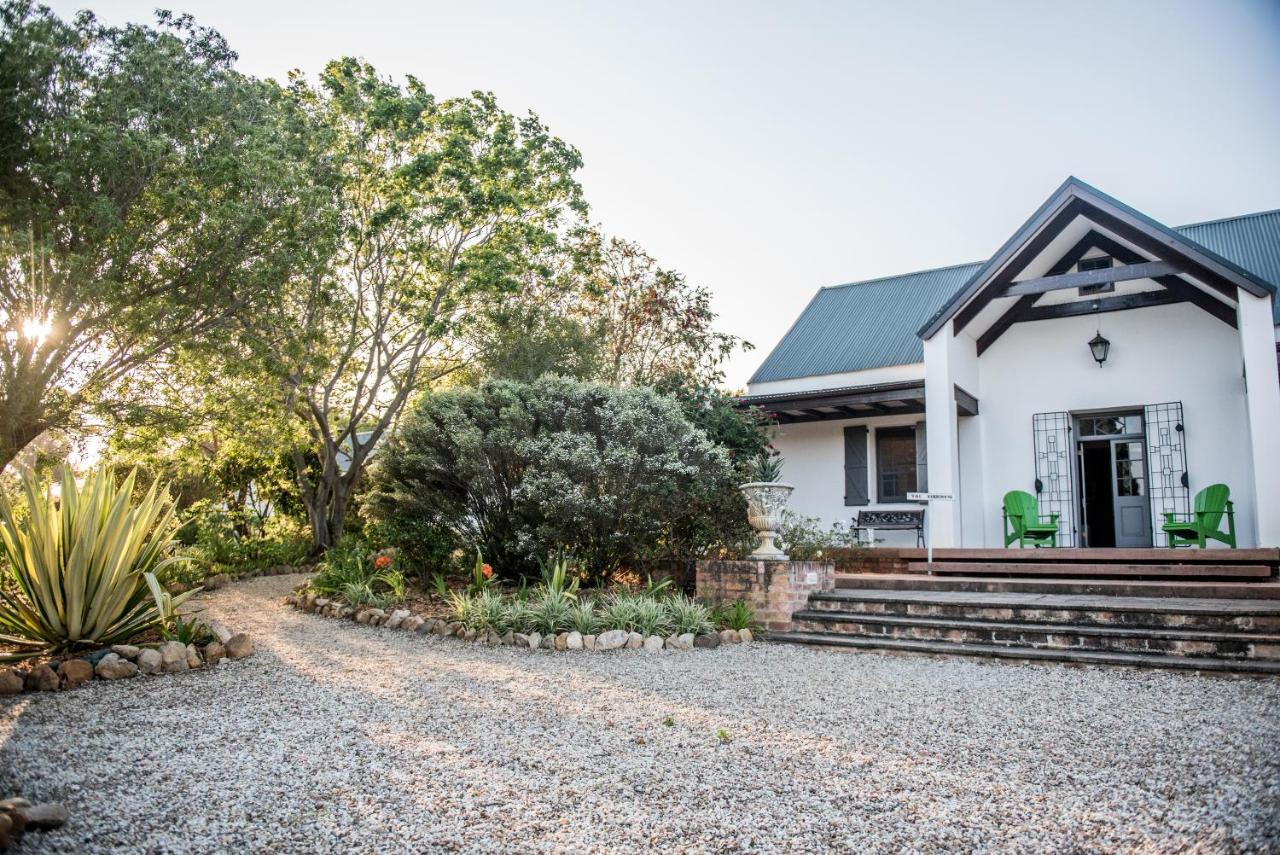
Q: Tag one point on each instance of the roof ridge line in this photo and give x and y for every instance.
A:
(983, 261)
(898, 275)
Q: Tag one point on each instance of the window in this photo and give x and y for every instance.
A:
(1102, 262)
(895, 463)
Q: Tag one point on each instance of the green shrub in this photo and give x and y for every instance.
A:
(353, 573)
(583, 617)
(217, 546)
(77, 565)
(689, 616)
(615, 475)
(805, 539)
(519, 616)
(738, 615)
(552, 612)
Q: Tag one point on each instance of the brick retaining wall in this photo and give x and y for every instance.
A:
(775, 589)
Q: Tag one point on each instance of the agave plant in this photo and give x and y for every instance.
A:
(78, 562)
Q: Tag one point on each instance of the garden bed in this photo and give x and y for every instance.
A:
(123, 661)
(606, 639)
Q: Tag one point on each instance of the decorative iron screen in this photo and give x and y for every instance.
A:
(1054, 458)
(1169, 486)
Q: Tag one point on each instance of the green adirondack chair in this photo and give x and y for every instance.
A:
(1022, 514)
(1211, 505)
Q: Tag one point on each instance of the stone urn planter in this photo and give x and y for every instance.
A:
(766, 500)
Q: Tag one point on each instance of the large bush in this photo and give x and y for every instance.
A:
(521, 469)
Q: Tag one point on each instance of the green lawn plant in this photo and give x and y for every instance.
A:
(77, 559)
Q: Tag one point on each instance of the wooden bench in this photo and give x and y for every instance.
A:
(909, 520)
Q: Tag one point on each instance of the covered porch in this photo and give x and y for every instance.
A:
(1105, 348)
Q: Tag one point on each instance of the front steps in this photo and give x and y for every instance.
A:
(1164, 623)
(1262, 588)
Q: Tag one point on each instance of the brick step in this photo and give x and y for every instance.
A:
(1136, 640)
(1221, 615)
(1109, 570)
(1086, 657)
(1269, 556)
(1258, 590)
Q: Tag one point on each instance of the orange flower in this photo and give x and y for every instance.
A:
(487, 571)
(382, 561)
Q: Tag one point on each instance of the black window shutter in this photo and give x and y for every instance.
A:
(855, 466)
(922, 459)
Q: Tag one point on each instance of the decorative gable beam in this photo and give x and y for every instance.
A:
(1084, 278)
(1179, 291)
(1024, 255)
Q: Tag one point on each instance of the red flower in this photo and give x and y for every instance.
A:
(487, 571)
(382, 561)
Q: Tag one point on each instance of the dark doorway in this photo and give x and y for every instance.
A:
(1099, 509)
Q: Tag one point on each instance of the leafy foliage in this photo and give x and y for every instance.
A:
(149, 195)
(805, 539)
(521, 469)
(78, 560)
(353, 573)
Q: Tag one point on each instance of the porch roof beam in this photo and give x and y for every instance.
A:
(1084, 278)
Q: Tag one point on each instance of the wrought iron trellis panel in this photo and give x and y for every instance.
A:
(1054, 462)
(1167, 482)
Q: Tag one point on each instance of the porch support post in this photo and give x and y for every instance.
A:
(1258, 342)
(941, 372)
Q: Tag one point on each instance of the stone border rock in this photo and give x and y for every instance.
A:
(614, 639)
(18, 816)
(127, 660)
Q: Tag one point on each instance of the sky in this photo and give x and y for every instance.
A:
(768, 149)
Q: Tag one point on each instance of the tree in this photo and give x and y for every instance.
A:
(149, 194)
(521, 469)
(440, 201)
(652, 324)
(600, 308)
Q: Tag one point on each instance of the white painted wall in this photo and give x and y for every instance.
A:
(813, 460)
(1164, 353)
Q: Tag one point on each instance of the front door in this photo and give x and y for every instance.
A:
(1131, 510)
(1111, 455)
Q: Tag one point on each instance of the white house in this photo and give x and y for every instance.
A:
(979, 379)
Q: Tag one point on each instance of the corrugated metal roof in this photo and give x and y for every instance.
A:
(874, 323)
(1251, 241)
(863, 325)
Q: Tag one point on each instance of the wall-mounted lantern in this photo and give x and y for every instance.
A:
(1100, 347)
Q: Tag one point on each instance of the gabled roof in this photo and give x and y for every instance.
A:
(1076, 198)
(876, 323)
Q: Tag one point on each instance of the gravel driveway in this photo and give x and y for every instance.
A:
(335, 737)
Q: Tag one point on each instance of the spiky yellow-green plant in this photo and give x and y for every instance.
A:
(75, 564)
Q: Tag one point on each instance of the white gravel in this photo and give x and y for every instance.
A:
(335, 737)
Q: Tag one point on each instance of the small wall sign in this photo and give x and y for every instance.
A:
(930, 497)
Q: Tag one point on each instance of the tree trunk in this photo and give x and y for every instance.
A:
(326, 501)
(16, 434)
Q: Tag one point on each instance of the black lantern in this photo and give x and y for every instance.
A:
(1100, 348)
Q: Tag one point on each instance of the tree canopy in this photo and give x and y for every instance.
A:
(149, 195)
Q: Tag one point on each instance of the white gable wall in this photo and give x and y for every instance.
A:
(1165, 353)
